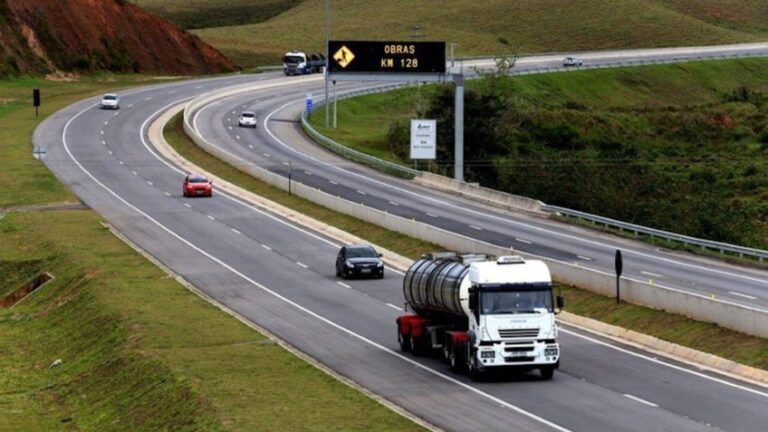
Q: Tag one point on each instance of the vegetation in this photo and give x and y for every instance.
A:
(138, 351)
(496, 27)
(677, 147)
(198, 14)
(674, 328)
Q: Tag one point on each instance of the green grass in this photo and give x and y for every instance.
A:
(496, 26)
(674, 328)
(139, 351)
(196, 14)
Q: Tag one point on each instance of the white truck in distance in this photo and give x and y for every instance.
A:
(481, 314)
(299, 63)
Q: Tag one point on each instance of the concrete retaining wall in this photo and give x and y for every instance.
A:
(737, 317)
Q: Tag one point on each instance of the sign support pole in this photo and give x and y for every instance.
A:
(458, 113)
(335, 106)
(327, 57)
(619, 264)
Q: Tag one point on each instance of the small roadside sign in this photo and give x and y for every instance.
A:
(310, 104)
(423, 139)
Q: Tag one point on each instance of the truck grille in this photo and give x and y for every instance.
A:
(519, 333)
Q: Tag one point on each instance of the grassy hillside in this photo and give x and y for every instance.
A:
(195, 14)
(139, 352)
(678, 147)
(498, 26)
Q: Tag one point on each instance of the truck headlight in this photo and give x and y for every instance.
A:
(350, 265)
(379, 264)
(552, 351)
(487, 354)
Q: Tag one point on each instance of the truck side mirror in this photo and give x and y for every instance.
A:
(473, 300)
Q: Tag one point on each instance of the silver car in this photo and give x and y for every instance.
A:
(110, 101)
(247, 119)
(571, 62)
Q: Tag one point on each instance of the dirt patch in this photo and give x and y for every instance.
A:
(23, 291)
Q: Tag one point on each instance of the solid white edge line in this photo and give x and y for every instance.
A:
(275, 294)
(642, 401)
(663, 363)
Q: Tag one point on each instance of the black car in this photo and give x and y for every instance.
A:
(359, 260)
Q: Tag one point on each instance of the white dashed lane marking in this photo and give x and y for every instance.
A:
(523, 241)
(642, 401)
(236, 231)
(475, 227)
(743, 295)
(585, 258)
(266, 247)
(394, 204)
(211, 217)
(394, 307)
(302, 265)
(361, 192)
(647, 273)
(344, 285)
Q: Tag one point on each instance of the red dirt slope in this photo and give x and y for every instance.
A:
(39, 36)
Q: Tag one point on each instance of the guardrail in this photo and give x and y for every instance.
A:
(742, 251)
(387, 166)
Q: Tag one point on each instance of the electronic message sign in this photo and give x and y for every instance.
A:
(386, 57)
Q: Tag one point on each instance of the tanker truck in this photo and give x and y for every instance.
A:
(481, 314)
(299, 63)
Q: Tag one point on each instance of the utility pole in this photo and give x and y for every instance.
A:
(458, 114)
(327, 57)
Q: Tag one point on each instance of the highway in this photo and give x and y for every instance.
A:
(281, 277)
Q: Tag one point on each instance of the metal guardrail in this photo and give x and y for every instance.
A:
(401, 170)
(653, 232)
(391, 167)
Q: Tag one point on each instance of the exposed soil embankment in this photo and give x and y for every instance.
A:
(41, 36)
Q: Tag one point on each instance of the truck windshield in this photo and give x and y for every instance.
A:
(292, 59)
(516, 302)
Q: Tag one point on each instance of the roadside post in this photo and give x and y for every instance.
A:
(289, 177)
(310, 105)
(36, 100)
(619, 268)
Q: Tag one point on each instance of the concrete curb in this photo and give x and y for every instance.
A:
(178, 278)
(674, 351)
(157, 138)
(686, 355)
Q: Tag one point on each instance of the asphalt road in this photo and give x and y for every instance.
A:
(281, 277)
(279, 140)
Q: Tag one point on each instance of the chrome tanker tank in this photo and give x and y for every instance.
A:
(438, 283)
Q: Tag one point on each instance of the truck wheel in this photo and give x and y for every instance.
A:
(547, 372)
(417, 346)
(474, 373)
(405, 343)
(454, 359)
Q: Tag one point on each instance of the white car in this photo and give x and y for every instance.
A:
(247, 119)
(110, 101)
(571, 61)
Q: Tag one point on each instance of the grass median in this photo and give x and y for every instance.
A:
(674, 328)
(138, 351)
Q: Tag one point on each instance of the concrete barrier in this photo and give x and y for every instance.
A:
(498, 198)
(737, 317)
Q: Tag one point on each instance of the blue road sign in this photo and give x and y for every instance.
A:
(310, 105)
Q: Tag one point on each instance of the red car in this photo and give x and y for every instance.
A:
(197, 185)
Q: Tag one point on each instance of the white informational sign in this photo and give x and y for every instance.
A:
(423, 139)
